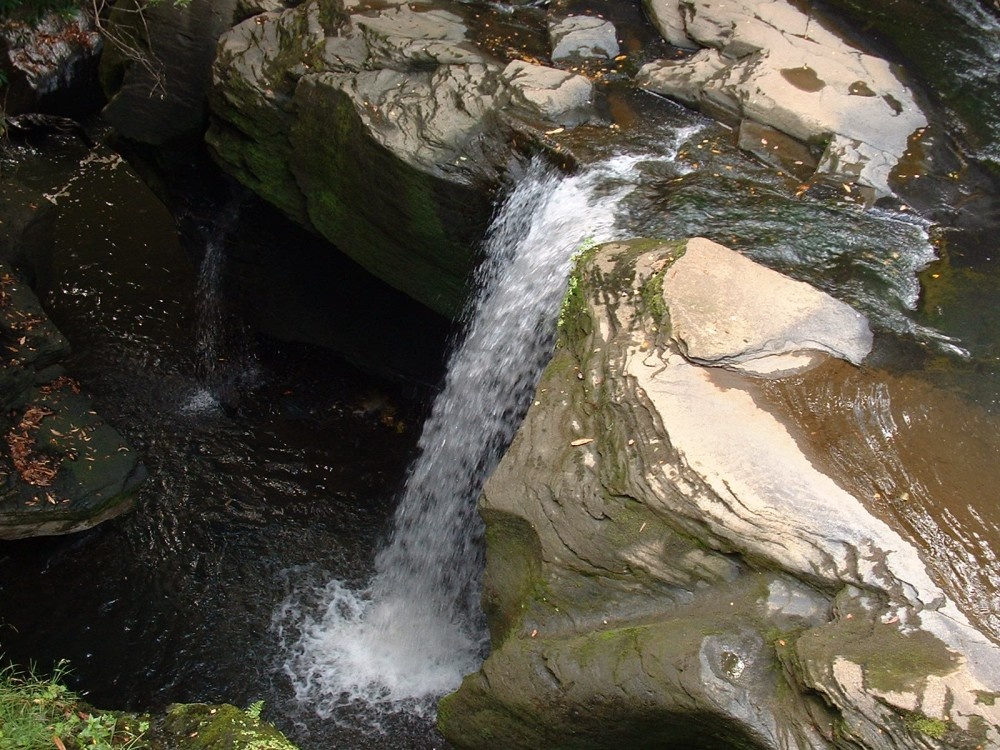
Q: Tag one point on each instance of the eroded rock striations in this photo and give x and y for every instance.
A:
(667, 565)
(384, 128)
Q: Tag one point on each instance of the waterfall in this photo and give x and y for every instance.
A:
(223, 360)
(208, 305)
(416, 629)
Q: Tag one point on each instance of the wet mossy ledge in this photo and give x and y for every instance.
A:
(665, 565)
(40, 713)
(62, 468)
(200, 726)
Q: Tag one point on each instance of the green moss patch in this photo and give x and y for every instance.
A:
(892, 661)
(198, 726)
(935, 728)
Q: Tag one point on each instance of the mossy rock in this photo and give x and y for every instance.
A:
(413, 229)
(198, 726)
(893, 661)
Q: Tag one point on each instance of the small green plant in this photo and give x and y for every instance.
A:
(254, 710)
(583, 252)
(38, 713)
(935, 728)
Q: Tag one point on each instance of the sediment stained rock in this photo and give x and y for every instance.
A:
(771, 63)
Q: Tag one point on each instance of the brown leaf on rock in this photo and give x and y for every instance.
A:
(33, 468)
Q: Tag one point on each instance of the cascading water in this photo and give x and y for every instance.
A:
(223, 361)
(416, 629)
(208, 302)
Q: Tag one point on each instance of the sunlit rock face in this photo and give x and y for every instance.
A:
(769, 62)
(670, 549)
(385, 128)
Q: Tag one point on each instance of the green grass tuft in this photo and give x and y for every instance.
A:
(39, 713)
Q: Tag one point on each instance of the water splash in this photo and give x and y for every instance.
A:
(416, 629)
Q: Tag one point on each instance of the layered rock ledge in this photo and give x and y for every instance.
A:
(668, 564)
(384, 128)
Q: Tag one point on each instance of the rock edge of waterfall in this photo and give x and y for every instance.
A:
(307, 101)
(666, 564)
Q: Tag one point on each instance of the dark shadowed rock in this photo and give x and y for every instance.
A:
(162, 98)
(61, 468)
(45, 62)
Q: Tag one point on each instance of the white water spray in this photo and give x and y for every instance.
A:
(416, 630)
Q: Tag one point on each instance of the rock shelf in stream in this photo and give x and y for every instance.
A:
(771, 63)
(62, 469)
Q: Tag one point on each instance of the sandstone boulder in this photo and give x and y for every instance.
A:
(583, 37)
(310, 105)
(668, 563)
(769, 62)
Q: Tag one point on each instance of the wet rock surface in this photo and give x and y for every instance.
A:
(662, 550)
(62, 469)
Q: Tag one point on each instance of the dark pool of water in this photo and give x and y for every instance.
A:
(283, 471)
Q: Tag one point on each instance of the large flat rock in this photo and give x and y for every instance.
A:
(770, 62)
(726, 310)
